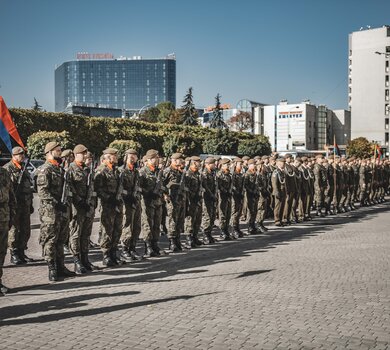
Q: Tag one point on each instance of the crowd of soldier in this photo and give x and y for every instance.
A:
(147, 197)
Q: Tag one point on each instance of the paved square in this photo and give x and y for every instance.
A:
(322, 284)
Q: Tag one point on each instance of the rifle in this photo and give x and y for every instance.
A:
(231, 190)
(20, 177)
(158, 185)
(201, 189)
(65, 188)
(119, 192)
(182, 187)
(90, 188)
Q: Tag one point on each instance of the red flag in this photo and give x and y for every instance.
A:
(10, 126)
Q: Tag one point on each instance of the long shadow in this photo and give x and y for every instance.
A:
(159, 270)
(74, 302)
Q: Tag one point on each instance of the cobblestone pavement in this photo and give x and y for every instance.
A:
(322, 284)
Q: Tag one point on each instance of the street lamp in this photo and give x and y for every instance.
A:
(136, 115)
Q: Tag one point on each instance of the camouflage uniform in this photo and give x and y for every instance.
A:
(252, 196)
(306, 194)
(320, 184)
(297, 194)
(50, 182)
(225, 202)
(7, 214)
(210, 188)
(151, 209)
(132, 200)
(237, 201)
(193, 218)
(291, 189)
(20, 232)
(329, 191)
(107, 186)
(279, 192)
(264, 196)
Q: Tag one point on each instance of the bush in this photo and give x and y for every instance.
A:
(259, 146)
(97, 133)
(36, 142)
(123, 145)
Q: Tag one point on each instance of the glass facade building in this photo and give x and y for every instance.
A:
(126, 83)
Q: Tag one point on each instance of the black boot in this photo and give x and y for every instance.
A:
(197, 241)
(149, 252)
(53, 275)
(25, 257)
(3, 289)
(225, 236)
(79, 268)
(15, 259)
(107, 260)
(114, 257)
(126, 255)
(155, 247)
(235, 234)
(172, 246)
(135, 256)
(207, 238)
(263, 227)
(87, 264)
(178, 243)
(63, 271)
(189, 242)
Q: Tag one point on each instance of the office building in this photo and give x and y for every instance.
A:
(368, 78)
(120, 83)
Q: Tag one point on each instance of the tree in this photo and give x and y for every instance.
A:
(222, 142)
(150, 115)
(241, 121)
(217, 122)
(189, 112)
(37, 107)
(166, 110)
(360, 147)
(257, 146)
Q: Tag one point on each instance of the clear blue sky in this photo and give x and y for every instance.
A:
(261, 50)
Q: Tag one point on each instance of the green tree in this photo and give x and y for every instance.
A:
(167, 109)
(259, 146)
(123, 145)
(150, 115)
(360, 147)
(37, 106)
(222, 142)
(217, 122)
(189, 112)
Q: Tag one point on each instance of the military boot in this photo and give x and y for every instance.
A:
(172, 246)
(114, 257)
(263, 227)
(178, 243)
(87, 264)
(189, 242)
(79, 268)
(107, 260)
(207, 238)
(15, 258)
(155, 247)
(53, 275)
(197, 241)
(225, 236)
(63, 271)
(126, 255)
(3, 289)
(235, 234)
(25, 257)
(149, 252)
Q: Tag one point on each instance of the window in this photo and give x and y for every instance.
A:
(387, 94)
(387, 109)
(386, 80)
(387, 123)
(386, 138)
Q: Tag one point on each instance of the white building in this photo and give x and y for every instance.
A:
(304, 126)
(369, 55)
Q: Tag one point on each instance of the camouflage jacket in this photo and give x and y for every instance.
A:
(224, 184)
(238, 184)
(173, 179)
(7, 197)
(291, 185)
(320, 177)
(50, 183)
(106, 184)
(278, 183)
(22, 191)
(251, 184)
(131, 187)
(306, 180)
(194, 185)
(78, 178)
(209, 185)
(147, 182)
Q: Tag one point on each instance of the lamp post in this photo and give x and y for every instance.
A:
(136, 115)
(387, 54)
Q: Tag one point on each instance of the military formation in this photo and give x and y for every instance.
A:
(149, 197)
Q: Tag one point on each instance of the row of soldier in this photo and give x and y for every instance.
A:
(138, 199)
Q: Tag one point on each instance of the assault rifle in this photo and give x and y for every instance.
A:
(158, 185)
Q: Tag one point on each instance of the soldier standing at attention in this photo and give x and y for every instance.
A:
(79, 228)
(193, 218)
(175, 198)
(279, 190)
(50, 185)
(320, 183)
(252, 195)
(109, 188)
(152, 188)
(7, 214)
(291, 189)
(237, 187)
(20, 232)
(225, 198)
(304, 204)
(263, 194)
(210, 188)
(132, 200)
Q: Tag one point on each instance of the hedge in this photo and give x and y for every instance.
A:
(97, 133)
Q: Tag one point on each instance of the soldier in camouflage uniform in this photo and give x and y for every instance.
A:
(20, 232)
(298, 185)
(363, 183)
(194, 196)
(175, 198)
(263, 194)
(151, 183)
(53, 205)
(291, 189)
(81, 185)
(109, 189)
(279, 191)
(306, 194)
(237, 189)
(320, 184)
(329, 191)
(245, 160)
(210, 187)
(252, 195)
(225, 198)
(132, 200)
(7, 215)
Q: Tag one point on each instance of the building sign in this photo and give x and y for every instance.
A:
(290, 115)
(94, 56)
(223, 106)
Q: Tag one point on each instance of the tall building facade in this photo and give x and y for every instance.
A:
(126, 83)
(304, 126)
(368, 77)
